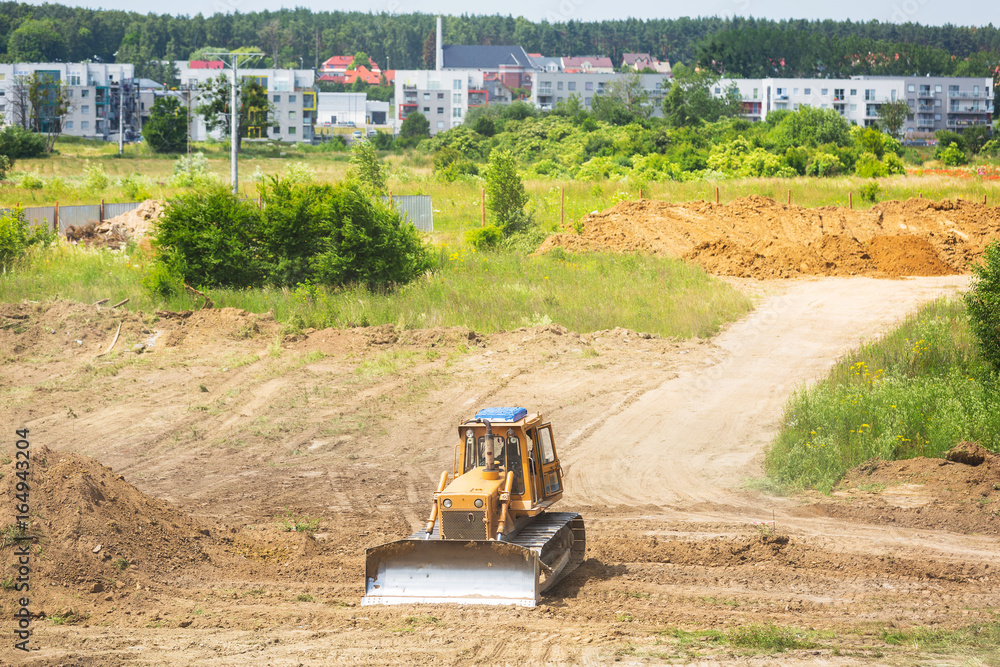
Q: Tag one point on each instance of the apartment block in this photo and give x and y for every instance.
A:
(936, 103)
(99, 95)
(291, 93)
(550, 88)
(445, 97)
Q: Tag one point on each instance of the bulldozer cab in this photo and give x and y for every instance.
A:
(524, 447)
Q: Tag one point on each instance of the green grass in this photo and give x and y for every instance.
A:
(916, 392)
(756, 637)
(484, 292)
(299, 523)
(976, 635)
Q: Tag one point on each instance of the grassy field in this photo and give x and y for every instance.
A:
(916, 392)
(484, 292)
(64, 178)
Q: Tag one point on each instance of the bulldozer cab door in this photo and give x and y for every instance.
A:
(550, 473)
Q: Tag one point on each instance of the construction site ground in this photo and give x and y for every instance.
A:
(187, 452)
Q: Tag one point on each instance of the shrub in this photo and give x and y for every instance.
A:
(983, 304)
(953, 156)
(5, 166)
(824, 164)
(95, 178)
(869, 166)
(870, 190)
(162, 280)
(367, 168)
(136, 186)
(30, 180)
(17, 235)
(17, 142)
(191, 171)
(484, 238)
(505, 194)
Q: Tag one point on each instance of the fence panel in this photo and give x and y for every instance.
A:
(39, 215)
(114, 210)
(78, 216)
(417, 209)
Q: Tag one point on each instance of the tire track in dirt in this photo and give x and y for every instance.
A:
(693, 440)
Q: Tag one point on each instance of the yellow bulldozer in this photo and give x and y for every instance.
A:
(490, 538)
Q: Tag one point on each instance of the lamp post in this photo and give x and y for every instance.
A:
(234, 63)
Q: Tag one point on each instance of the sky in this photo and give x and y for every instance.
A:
(927, 12)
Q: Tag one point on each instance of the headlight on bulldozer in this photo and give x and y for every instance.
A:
(447, 503)
(479, 502)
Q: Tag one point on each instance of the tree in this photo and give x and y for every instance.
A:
(891, 116)
(624, 98)
(36, 42)
(19, 101)
(505, 193)
(976, 137)
(274, 38)
(49, 99)
(690, 101)
(254, 108)
(983, 304)
(367, 168)
(167, 128)
(414, 128)
(361, 59)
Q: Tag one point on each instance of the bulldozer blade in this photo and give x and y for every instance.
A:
(446, 571)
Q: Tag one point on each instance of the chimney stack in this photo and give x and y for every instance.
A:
(439, 51)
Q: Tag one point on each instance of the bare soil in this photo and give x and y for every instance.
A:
(757, 237)
(204, 493)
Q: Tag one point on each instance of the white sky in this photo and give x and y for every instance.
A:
(927, 12)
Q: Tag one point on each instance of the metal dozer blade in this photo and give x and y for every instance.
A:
(446, 571)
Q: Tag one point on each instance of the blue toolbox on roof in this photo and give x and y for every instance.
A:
(502, 414)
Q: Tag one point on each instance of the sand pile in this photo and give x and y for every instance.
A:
(759, 238)
(115, 232)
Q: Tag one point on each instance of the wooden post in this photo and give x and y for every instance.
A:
(55, 218)
(562, 206)
(101, 214)
(984, 200)
(850, 200)
(920, 195)
(789, 196)
(640, 193)
(716, 194)
(483, 203)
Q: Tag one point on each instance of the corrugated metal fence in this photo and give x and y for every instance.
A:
(417, 209)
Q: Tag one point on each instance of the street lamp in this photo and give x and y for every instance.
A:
(234, 113)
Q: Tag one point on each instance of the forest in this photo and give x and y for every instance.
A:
(738, 47)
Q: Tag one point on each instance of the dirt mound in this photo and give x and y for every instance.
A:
(116, 232)
(757, 237)
(960, 492)
(94, 527)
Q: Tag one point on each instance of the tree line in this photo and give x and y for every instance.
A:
(744, 47)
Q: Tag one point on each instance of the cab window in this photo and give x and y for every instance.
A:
(545, 440)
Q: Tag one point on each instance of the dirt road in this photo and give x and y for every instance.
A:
(221, 433)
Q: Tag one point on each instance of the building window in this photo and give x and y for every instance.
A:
(589, 85)
(911, 88)
(73, 80)
(869, 94)
(440, 96)
(440, 125)
(441, 110)
(456, 98)
(276, 129)
(823, 91)
(85, 125)
(795, 106)
(69, 93)
(85, 109)
(937, 88)
(291, 98)
(838, 93)
(559, 85)
(560, 99)
(276, 98)
(291, 115)
(69, 123)
(854, 107)
(854, 91)
(755, 93)
(937, 116)
(952, 90)
(291, 130)
(975, 91)
(427, 109)
(587, 101)
(808, 91)
(456, 84)
(427, 96)
(718, 91)
(456, 113)
(84, 93)
(937, 103)
(572, 85)
(795, 91)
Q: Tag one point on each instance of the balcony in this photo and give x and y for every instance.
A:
(968, 122)
(966, 94)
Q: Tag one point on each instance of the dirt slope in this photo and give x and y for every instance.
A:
(760, 238)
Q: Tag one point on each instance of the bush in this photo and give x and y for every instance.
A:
(17, 235)
(30, 180)
(869, 166)
(17, 142)
(824, 164)
(191, 171)
(367, 168)
(983, 304)
(136, 186)
(95, 178)
(162, 280)
(5, 167)
(869, 191)
(953, 156)
(505, 194)
(485, 238)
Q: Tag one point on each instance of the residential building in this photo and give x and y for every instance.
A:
(588, 65)
(936, 103)
(342, 64)
(638, 62)
(99, 93)
(371, 77)
(349, 109)
(550, 88)
(445, 97)
(291, 93)
(544, 63)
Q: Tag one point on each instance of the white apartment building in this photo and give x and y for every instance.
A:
(444, 97)
(97, 93)
(936, 103)
(291, 93)
(550, 88)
